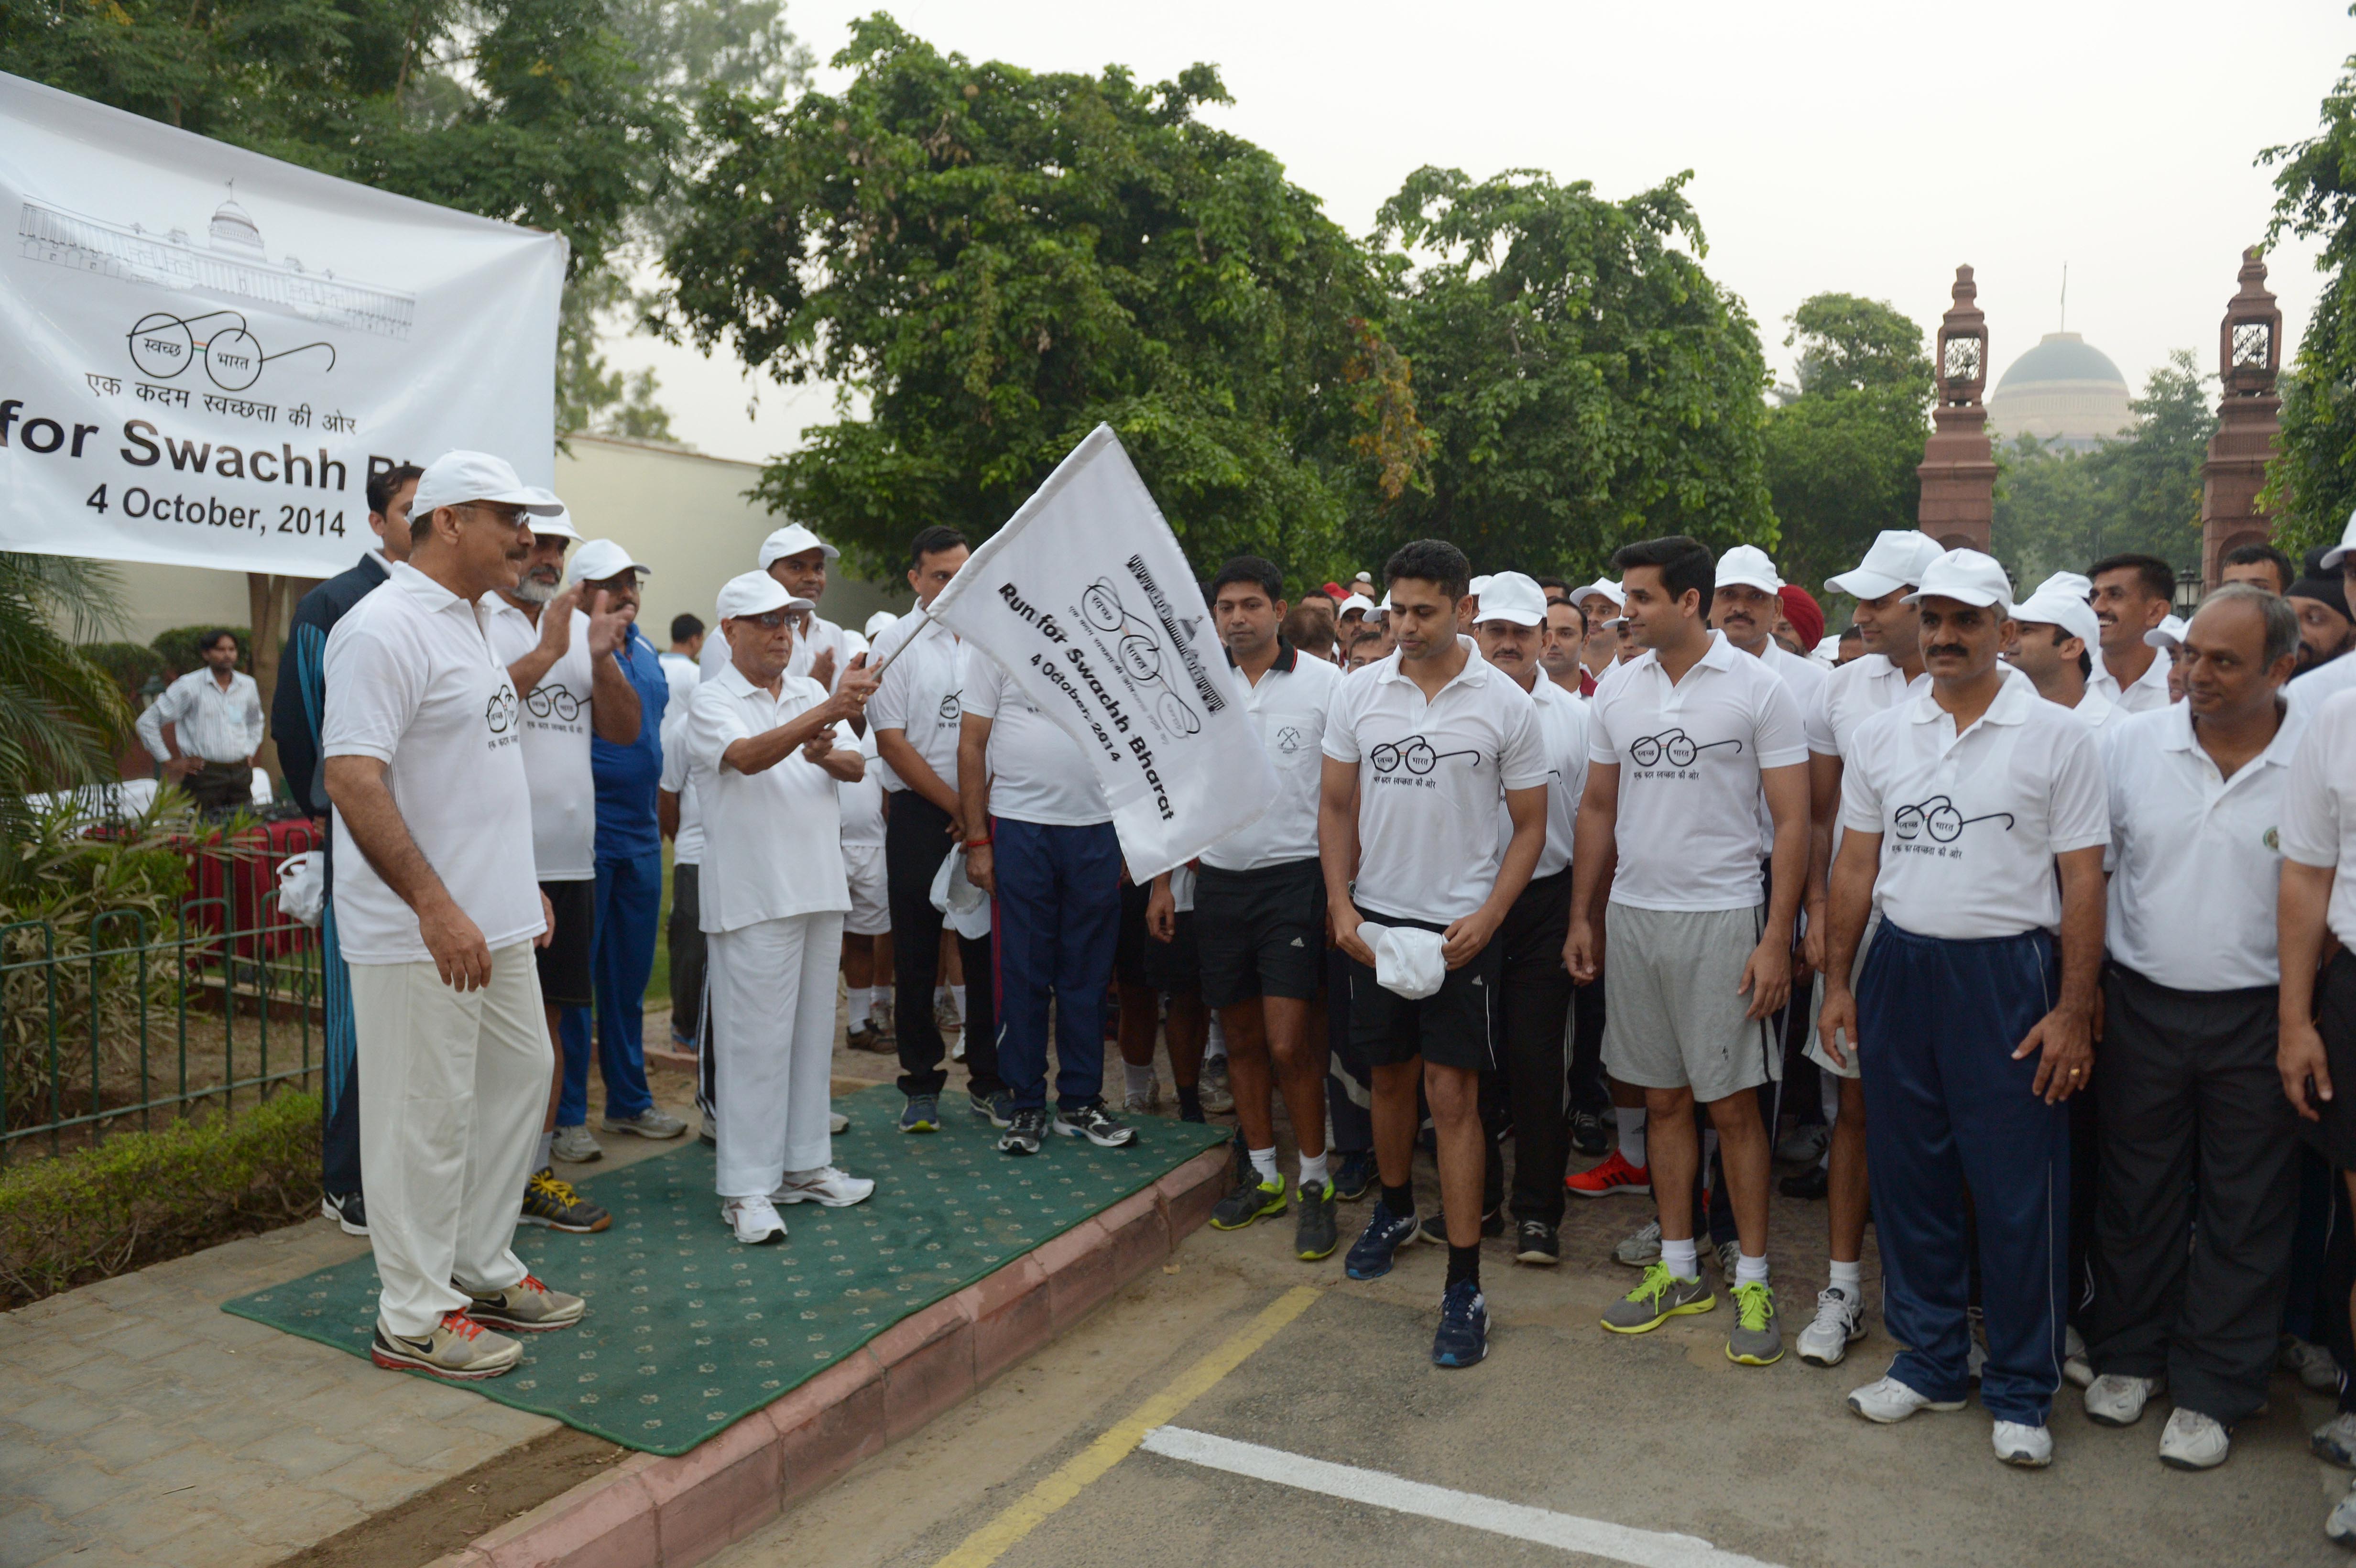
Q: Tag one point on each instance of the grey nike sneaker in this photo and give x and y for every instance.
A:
(1757, 1338)
(1661, 1296)
(1640, 1248)
(574, 1145)
(654, 1122)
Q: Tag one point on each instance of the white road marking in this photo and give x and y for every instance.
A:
(1644, 1547)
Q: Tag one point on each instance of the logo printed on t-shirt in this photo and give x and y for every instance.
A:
(552, 701)
(952, 707)
(499, 714)
(1290, 739)
(1938, 819)
(1678, 748)
(1414, 756)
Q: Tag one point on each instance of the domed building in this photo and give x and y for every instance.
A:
(2066, 391)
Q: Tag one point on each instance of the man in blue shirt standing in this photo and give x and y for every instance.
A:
(629, 885)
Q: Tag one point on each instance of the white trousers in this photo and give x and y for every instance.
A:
(771, 987)
(452, 1088)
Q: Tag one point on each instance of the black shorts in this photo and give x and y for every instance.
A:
(1454, 1027)
(565, 978)
(1176, 965)
(1263, 932)
(2334, 1137)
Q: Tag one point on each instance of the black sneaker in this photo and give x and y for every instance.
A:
(1463, 1337)
(1024, 1131)
(1355, 1177)
(1435, 1228)
(1587, 1134)
(1538, 1243)
(1097, 1123)
(1810, 1184)
(348, 1211)
(1250, 1200)
(549, 1201)
(997, 1109)
(1314, 1235)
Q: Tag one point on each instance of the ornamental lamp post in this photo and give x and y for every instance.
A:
(1958, 468)
(2249, 359)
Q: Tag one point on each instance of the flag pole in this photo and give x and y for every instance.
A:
(926, 612)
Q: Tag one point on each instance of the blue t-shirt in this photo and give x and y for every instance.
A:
(627, 776)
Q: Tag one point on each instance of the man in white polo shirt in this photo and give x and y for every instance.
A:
(2311, 689)
(797, 558)
(207, 726)
(437, 911)
(2199, 1188)
(1883, 674)
(2055, 647)
(1418, 750)
(1260, 916)
(767, 753)
(2131, 594)
(1959, 807)
(1683, 740)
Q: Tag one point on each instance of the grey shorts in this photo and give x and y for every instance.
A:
(1672, 1015)
(1815, 1050)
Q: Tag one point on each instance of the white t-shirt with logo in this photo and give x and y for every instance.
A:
(862, 803)
(1971, 823)
(773, 840)
(1430, 780)
(678, 777)
(411, 681)
(2195, 858)
(1852, 694)
(555, 744)
(1288, 709)
(1562, 728)
(1690, 753)
(1037, 772)
(2319, 825)
(921, 694)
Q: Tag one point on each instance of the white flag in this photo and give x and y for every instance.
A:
(1087, 601)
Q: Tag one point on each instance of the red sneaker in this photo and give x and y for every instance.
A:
(1614, 1175)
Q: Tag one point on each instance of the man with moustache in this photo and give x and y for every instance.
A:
(2131, 595)
(799, 561)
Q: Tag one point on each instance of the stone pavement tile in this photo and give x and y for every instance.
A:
(135, 1338)
(445, 1447)
(373, 1481)
(127, 1442)
(143, 1524)
(109, 1379)
(127, 1290)
(192, 1472)
(301, 1454)
(228, 1430)
(226, 1330)
(31, 1353)
(57, 1416)
(66, 1488)
(292, 1519)
(28, 1533)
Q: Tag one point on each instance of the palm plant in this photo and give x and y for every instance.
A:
(62, 716)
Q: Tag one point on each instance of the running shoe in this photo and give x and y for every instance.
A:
(1805, 1144)
(350, 1211)
(2018, 1444)
(2194, 1442)
(867, 1036)
(1024, 1131)
(2336, 1440)
(1462, 1340)
(1314, 1235)
(1249, 1200)
(549, 1201)
(997, 1109)
(1355, 1175)
(2312, 1364)
(881, 1017)
(1372, 1255)
(1661, 1296)
(827, 1187)
(1887, 1401)
(654, 1122)
(837, 1123)
(1838, 1324)
(1728, 1254)
(1640, 1248)
(526, 1307)
(1757, 1337)
(459, 1348)
(2115, 1399)
(1095, 1123)
(945, 1014)
(922, 1113)
(1218, 1096)
(1142, 1102)
(573, 1145)
(1809, 1185)
(1588, 1135)
(1435, 1225)
(1614, 1175)
(1538, 1244)
(2076, 1368)
(755, 1219)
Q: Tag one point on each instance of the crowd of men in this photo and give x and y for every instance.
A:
(1550, 869)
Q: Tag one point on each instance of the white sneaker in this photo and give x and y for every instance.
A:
(2341, 1527)
(2312, 1363)
(1974, 1359)
(826, 1185)
(1640, 1248)
(755, 1219)
(2336, 1440)
(836, 1121)
(2076, 1368)
(2031, 1448)
(574, 1145)
(1839, 1323)
(1728, 1254)
(2193, 1442)
(2115, 1399)
(1142, 1105)
(1889, 1401)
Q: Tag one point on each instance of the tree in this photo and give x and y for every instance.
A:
(2312, 484)
(1582, 380)
(60, 715)
(987, 262)
(1841, 457)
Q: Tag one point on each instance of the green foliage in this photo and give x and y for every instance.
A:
(992, 261)
(60, 715)
(178, 647)
(590, 395)
(131, 666)
(2058, 510)
(1840, 458)
(140, 1198)
(2312, 484)
(1584, 382)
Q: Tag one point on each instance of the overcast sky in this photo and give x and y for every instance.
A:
(1864, 147)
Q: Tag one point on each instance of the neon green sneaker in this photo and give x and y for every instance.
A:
(1249, 1200)
(1757, 1339)
(1660, 1296)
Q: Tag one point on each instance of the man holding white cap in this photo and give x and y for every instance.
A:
(2199, 1194)
(629, 874)
(1890, 668)
(2054, 646)
(2131, 594)
(556, 655)
(437, 913)
(765, 753)
(797, 558)
(1683, 740)
(1959, 807)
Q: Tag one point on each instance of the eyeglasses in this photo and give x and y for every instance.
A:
(768, 621)
(508, 517)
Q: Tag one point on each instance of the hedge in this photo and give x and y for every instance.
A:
(141, 1198)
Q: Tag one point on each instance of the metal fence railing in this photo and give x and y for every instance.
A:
(128, 1019)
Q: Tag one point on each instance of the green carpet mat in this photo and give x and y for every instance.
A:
(688, 1331)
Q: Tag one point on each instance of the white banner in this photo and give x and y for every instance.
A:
(1088, 601)
(208, 350)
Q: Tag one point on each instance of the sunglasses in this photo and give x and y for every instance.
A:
(768, 621)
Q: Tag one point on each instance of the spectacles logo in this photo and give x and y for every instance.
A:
(1676, 745)
(552, 700)
(1938, 817)
(1416, 756)
(501, 713)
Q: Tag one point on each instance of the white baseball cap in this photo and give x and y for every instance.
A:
(1747, 566)
(1966, 576)
(1827, 649)
(2337, 553)
(1601, 588)
(2169, 634)
(2051, 607)
(597, 561)
(455, 478)
(792, 540)
(1513, 596)
(1478, 586)
(1355, 601)
(879, 623)
(1898, 559)
(755, 594)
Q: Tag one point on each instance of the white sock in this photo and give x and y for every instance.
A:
(1264, 1162)
(940, 993)
(1849, 1279)
(1312, 1169)
(1631, 1136)
(1680, 1257)
(957, 995)
(863, 1003)
(1217, 1044)
(1749, 1270)
(547, 1152)
(1140, 1079)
